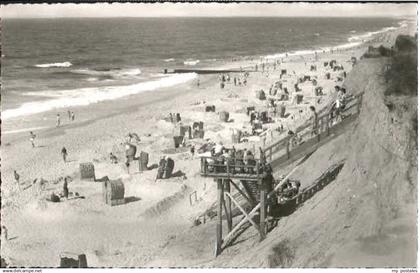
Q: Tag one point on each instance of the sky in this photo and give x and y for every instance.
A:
(207, 10)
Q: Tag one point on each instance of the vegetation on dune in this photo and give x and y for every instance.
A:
(402, 73)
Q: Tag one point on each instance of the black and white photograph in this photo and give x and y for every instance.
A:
(209, 135)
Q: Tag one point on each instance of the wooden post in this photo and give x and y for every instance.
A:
(263, 197)
(227, 168)
(204, 165)
(220, 199)
(258, 168)
(359, 104)
(228, 205)
(318, 129)
(328, 125)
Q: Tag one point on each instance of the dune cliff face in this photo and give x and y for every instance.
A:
(367, 216)
(381, 168)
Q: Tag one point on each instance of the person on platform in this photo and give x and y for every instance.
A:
(314, 120)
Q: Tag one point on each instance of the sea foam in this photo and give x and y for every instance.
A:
(85, 96)
(191, 62)
(23, 130)
(64, 64)
(112, 72)
(353, 41)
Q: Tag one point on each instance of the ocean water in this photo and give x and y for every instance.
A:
(55, 63)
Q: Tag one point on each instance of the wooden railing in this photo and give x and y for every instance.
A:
(221, 167)
(231, 168)
(323, 129)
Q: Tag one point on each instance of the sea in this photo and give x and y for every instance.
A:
(53, 64)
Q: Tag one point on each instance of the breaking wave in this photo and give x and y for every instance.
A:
(64, 64)
(191, 62)
(109, 72)
(353, 41)
(369, 35)
(86, 96)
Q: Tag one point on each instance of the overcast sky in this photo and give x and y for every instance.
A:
(205, 9)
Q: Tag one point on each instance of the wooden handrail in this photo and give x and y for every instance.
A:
(284, 142)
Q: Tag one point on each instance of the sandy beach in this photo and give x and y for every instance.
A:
(135, 234)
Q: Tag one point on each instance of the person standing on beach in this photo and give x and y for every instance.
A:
(72, 116)
(65, 188)
(4, 233)
(32, 139)
(64, 154)
(58, 120)
(192, 150)
(69, 114)
(17, 177)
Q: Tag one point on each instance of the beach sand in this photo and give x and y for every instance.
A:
(135, 233)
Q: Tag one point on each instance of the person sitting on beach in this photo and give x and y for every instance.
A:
(32, 138)
(64, 154)
(113, 158)
(161, 168)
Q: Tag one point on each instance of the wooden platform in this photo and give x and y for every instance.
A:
(254, 189)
